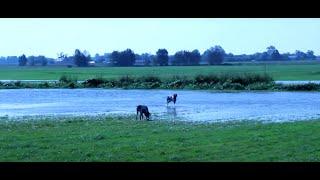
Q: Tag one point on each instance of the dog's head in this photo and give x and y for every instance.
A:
(148, 115)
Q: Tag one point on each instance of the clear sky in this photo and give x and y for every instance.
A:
(236, 35)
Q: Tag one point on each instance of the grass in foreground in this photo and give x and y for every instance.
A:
(125, 139)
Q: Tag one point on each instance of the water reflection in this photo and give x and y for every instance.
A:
(172, 112)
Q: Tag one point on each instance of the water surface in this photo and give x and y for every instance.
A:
(191, 105)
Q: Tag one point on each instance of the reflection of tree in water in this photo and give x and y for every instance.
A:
(172, 112)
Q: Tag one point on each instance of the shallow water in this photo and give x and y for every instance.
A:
(191, 105)
(297, 82)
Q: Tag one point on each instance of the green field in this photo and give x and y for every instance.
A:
(277, 71)
(126, 139)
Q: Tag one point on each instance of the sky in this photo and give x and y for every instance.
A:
(50, 36)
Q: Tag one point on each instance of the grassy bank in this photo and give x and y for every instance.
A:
(230, 81)
(278, 71)
(125, 139)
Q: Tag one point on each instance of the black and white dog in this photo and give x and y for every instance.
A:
(172, 99)
(143, 110)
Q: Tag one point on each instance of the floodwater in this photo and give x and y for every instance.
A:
(297, 82)
(199, 106)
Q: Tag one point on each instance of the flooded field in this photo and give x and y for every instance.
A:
(197, 106)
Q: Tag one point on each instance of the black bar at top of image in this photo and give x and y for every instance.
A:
(159, 9)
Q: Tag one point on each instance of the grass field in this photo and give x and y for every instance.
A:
(125, 139)
(277, 71)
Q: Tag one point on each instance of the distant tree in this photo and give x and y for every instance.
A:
(100, 59)
(186, 58)
(124, 58)
(51, 60)
(162, 57)
(114, 58)
(43, 60)
(137, 56)
(300, 55)
(260, 56)
(97, 58)
(310, 55)
(214, 55)
(228, 57)
(153, 59)
(127, 58)
(179, 58)
(271, 49)
(285, 56)
(31, 60)
(146, 58)
(13, 59)
(195, 57)
(273, 53)
(264, 56)
(22, 60)
(86, 53)
(80, 59)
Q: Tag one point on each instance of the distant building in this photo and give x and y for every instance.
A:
(139, 62)
(293, 57)
(91, 63)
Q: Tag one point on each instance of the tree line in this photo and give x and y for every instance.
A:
(212, 56)
(32, 60)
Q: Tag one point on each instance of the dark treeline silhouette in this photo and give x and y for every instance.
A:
(186, 58)
(123, 58)
(213, 56)
(37, 60)
(81, 59)
(32, 60)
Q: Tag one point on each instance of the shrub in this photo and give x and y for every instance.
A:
(200, 79)
(94, 82)
(71, 85)
(126, 80)
(44, 85)
(242, 79)
(64, 79)
(18, 84)
(300, 87)
(149, 78)
(110, 83)
(177, 84)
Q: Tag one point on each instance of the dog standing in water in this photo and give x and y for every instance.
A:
(143, 110)
(172, 99)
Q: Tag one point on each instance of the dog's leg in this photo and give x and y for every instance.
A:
(137, 115)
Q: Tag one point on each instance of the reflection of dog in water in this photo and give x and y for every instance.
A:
(143, 110)
(172, 111)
